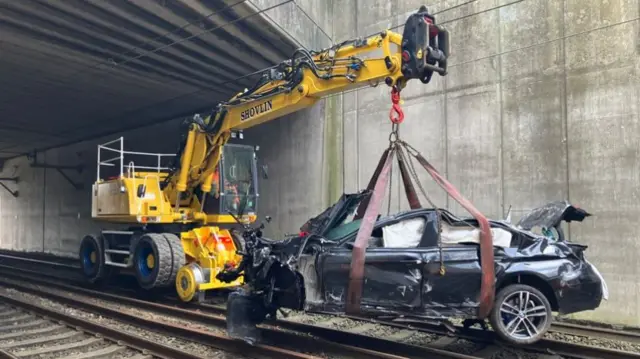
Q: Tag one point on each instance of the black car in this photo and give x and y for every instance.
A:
(424, 264)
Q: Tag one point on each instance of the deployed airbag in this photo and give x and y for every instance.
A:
(404, 234)
(460, 235)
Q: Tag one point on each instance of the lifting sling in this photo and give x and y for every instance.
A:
(370, 206)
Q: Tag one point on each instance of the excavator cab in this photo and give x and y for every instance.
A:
(235, 184)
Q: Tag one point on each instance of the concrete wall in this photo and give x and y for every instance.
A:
(50, 214)
(296, 148)
(541, 103)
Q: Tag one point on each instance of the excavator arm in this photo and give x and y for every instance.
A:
(299, 83)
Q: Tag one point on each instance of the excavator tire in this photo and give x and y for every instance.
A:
(92, 260)
(157, 259)
(177, 255)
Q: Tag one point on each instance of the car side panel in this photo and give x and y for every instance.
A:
(573, 282)
(334, 273)
(393, 278)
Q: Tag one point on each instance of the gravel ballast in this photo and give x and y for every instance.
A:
(371, 329)
(191, 347)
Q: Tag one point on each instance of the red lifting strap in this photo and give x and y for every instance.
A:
(487, 284)
(395, 99)
(372, 182)
(409, 190)
(356, 273)
(368, 212)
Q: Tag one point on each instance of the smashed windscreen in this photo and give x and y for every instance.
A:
(337, 215)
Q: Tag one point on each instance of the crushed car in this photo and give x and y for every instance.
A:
(422, 264)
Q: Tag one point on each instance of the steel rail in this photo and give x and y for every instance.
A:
(331, 339)
(591, 331)
(566, 349)
(572, 350)
(40, 261)
(130, 340)
(220, 342)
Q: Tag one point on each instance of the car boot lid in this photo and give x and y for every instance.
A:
(551, 214)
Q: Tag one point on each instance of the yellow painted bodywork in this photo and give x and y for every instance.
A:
(200, 159)
(211, 248)
(116, 201)
(186, 285)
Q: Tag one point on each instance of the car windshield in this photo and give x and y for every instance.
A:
(344, 229)
(348, 227)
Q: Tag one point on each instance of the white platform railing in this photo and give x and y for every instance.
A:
(117, 147)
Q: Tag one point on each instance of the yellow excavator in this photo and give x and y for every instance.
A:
(171, 218)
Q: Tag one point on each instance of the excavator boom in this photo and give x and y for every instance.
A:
(174, 211)
(299, 83)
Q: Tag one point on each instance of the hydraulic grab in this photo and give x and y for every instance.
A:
(174, 212)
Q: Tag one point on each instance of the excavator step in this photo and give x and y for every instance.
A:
(117, 251)
(117, 232)
(115, 264)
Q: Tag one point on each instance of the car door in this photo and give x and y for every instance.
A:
(456, 288)
(393, 278)
(392, 273)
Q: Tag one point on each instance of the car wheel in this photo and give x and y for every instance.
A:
(521, 314)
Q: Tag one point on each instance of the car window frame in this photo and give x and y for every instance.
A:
(341, 243)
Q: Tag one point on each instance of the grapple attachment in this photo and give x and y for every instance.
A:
(425, 47)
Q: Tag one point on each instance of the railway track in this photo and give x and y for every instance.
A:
(213, 340)
(29, 330)
(355, 346)
(439, 339)
(605, 333)
(63, 263)
(487, 343)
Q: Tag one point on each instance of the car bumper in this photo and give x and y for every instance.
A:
(583, 291)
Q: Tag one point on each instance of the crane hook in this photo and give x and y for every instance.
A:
(398, 117)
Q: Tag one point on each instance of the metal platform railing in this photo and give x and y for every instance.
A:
(117, 146)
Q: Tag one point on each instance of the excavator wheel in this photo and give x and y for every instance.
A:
(157, 258)
(92, 260)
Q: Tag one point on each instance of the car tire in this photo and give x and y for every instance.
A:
(521, 324)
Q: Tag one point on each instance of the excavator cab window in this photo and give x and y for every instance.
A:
(238, 180)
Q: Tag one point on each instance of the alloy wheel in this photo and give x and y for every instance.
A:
(523, 314)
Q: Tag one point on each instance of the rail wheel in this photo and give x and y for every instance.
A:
(188, 282)
(92, 260)
(156, 259)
